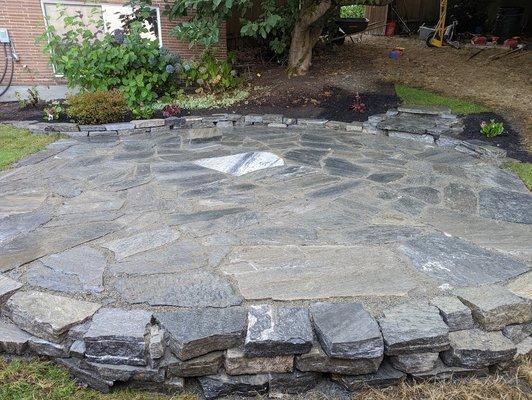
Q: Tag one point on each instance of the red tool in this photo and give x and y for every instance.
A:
(512, 42)
(479, 40)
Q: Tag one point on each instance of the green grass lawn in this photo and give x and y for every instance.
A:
(16, 143)
(522, 170)
(419, 97)
(40, 380)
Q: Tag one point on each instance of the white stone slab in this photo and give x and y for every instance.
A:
(242, 163)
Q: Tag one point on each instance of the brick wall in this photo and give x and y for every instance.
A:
(25, 21)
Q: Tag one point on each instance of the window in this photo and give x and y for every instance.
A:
(109, 13)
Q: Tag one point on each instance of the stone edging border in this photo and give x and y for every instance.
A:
(371, 126)
(268, 349)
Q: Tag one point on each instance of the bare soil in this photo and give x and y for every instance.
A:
(503, 85)
(339, 72)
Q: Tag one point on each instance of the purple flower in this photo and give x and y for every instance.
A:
(119, 36)
(170, 69)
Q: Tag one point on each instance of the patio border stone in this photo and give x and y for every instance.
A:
(136, 347)
(192, 128)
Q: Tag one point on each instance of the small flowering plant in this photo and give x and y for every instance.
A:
(491, 129)
(171, 110)
(357, 105)
(53, 111)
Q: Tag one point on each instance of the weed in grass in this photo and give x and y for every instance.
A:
(419, 97)
(16, 143)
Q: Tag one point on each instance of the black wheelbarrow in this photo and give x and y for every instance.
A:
(348, 27)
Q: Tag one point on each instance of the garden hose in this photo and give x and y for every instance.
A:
(8, 58)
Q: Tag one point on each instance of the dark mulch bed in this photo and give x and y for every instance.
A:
(331, 103)
(12, 112)
(508, 141)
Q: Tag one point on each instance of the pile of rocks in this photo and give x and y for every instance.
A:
(433, 125)
(265, 348)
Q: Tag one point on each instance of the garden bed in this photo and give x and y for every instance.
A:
(508, 141)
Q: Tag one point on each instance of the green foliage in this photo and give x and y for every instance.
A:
(121, 60)
(522, 170)
(32, 100)
(491, 129)
(43, 380)
(420, 97)
(202, 28)
(352, 11)
(99, 107)
(210, 74)
(274, 25)
(53, 111)
(211, 100)
(14, 144)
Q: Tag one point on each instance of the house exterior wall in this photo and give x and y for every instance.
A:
(25, 22)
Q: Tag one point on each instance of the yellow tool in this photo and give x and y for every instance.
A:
(437, 38)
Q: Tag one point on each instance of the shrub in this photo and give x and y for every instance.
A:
(352, 11)
(210, 74)
(492, 128)
(125, 60)
(99, 107)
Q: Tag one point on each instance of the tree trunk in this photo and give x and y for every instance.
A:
(305, 35)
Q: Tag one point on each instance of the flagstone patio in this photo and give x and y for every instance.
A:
(289, 214)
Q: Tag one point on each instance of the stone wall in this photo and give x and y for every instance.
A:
(264, 348)
(436, 126)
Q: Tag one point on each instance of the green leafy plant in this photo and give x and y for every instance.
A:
(95, 60)
(491, 129)
(210, 74)
(274, 25)
(32, 100)
(53, 112)
(352, 11)
(99, 107)
(294, 27)
(211, 100)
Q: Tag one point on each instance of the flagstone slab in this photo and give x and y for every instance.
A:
(13, 340)
(347, 330)
(241, 164)
(522, 286)
(46, 315)
(506, 205)
(197, 332)
(476, 349)
(318, 272)
(141, 242)
(117, 336)
(277, 331)
(494, 307)
(77, 270)
(8, 286)
(16, 224)
(196, 288)
(457, 262)
(413, 328)
(42, 242)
